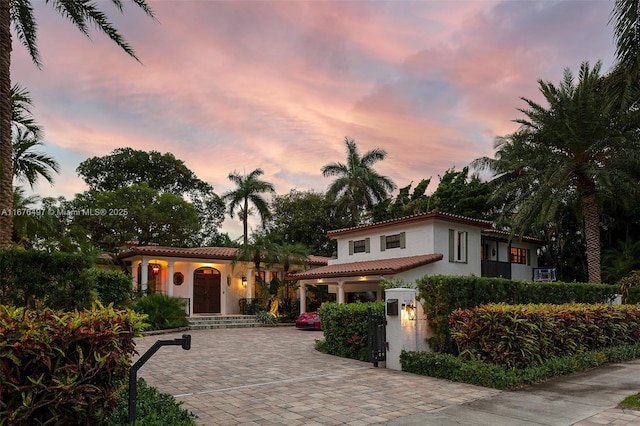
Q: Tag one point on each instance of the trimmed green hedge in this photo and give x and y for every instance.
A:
(112, 286)
(63, 367)
(526, 335)
(444, 294)
(346, 329)
(56, 280)
(450, 367)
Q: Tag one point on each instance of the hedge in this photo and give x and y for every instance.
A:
(451, 367)
(112, 286)
(346, 329)
(63, 367)
(56, 280)
(526, 335)
(442, 295)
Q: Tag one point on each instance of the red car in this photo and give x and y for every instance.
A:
(309, 321)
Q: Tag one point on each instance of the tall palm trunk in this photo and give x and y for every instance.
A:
(591, 216)
(6, 190)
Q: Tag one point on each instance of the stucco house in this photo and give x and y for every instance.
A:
(207, 278)
(411, 247)
(407, 248)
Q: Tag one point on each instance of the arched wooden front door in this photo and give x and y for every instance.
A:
(206, 290)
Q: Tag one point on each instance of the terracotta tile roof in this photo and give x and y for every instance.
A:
(368, 267)
(508, 235)
(420, 217)
(217, 253)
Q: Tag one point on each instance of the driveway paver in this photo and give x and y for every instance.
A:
(274, 376)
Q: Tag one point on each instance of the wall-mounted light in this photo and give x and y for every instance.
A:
(155, 269)
(411, 312)
(244, 281)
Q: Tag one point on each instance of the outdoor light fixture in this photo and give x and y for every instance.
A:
(155, 269)
(411, 312)
(244, 281)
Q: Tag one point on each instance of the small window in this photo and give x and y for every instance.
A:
(457, 246)
(393, 241)
(519, 255)
(359, 246)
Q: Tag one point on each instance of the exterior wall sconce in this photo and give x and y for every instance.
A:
(411, 312)
(244, 281)
(155, 269)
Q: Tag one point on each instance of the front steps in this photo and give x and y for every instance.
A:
(203, 322)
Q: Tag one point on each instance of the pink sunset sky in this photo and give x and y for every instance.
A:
(237, 85)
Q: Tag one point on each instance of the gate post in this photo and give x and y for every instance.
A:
(407, 329)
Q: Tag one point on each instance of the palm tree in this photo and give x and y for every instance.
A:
(28, 165)
(577, 148)
(358, 187)
(19, 13)
(248, 189)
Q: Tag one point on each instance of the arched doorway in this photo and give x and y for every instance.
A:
(206, 290)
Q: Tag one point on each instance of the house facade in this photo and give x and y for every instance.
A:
(411, 247)
(209, 279)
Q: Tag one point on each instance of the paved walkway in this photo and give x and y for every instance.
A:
(274, 376)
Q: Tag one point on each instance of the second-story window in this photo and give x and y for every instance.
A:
(359, 246)
(392, 241)
(519, 255)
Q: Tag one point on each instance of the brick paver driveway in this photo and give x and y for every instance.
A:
(274, 376)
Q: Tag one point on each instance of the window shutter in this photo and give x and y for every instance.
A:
(466, 247)
(452, 252)
(528, 257)
(403, 239)
(383, 243)
(350, 247)
(367, 245)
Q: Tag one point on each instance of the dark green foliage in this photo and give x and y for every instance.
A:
(346, 329)
(153, 408)
(447, 366)
(35, 279)
(63, 367)
(163, 312)
(443, 294)
(630, 287)
(112, 286)
(527, 335)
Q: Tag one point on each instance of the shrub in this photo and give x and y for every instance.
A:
(56, 280)
(162, 311)
(152, 408)
(346, 328)
(63, 367)
(264, 317)
(630, 287)
(442, 295)
(526, 335)
(451, 367)
(112, 286)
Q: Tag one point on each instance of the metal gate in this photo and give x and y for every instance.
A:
(377, 338)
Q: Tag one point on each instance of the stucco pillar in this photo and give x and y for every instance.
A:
(170, 279)
(144, 274)
(303, 298)
(189, 283)
(135, 267)
(404, 330)
(340, 291)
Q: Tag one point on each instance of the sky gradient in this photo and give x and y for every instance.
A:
(237, 85)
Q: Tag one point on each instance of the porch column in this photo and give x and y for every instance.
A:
(250, 282)
(267, 276)
(170, 279)
(134, 274)
(340, 291)
(189, 282)
(303, 298)
(144, 274)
